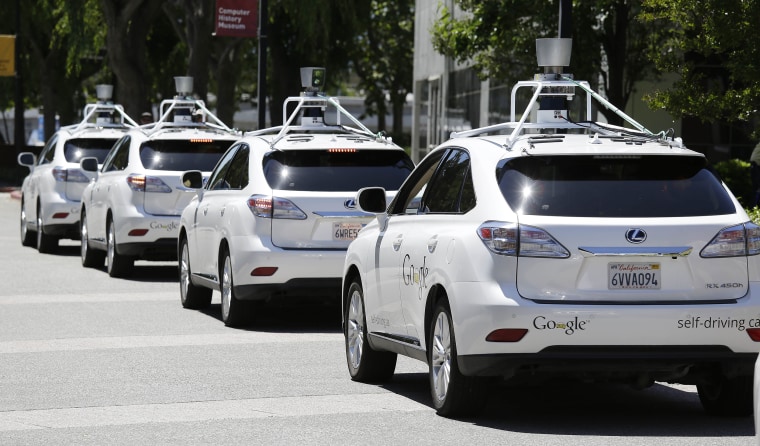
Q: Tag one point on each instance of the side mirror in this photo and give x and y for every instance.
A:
(27, 159)
(192, 179)
(372, 199)
(89, 164)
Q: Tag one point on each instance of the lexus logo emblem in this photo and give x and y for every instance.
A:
(635, 235)
(350, 203)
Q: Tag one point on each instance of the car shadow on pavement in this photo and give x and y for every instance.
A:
(615, 410)
(154, 273)
(288, 318)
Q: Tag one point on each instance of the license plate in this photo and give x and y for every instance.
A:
(346, 231)
(633, 276)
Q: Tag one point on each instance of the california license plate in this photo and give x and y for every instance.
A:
(346, 231)
(633, 276)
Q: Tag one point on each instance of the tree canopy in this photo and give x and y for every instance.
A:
(714, 47)
(68, 46)
(610, 43)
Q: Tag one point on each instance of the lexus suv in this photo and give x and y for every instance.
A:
(131, 210)
(554, 246)
(51, 193)
(278, 212)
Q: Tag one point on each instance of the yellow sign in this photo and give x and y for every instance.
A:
(7, 55)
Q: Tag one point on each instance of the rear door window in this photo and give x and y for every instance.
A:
(76, 149)
(613, 186)
(181, 155)
(336, 170)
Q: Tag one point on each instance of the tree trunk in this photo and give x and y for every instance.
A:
(128, 23)
(227, 74)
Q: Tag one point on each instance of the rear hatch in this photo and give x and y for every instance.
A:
(633, 229)
(74, 150)
(165, 160)
(322, 184)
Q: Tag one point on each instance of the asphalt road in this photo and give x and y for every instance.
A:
(87, 359)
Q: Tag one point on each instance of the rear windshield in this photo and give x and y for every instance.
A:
(333, 171)
(76, 149)
(592, 186)
(181, 155)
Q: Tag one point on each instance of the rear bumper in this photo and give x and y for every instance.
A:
(296, 268)
(686, 364)
(163, 249)
(68, 230)
(670, 341)
(158, 242)
(327, 290)
(58, 214)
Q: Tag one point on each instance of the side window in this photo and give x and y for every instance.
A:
(451, 184)
(408, 199)
(118, 157)
(237, 175)
(217, 180)
(48, 152)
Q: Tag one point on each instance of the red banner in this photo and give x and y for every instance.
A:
(237, 18)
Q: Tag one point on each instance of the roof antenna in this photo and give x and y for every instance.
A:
(553, 55)
(312, 81)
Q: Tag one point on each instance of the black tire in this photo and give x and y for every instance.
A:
(28, 238)
(46, 243)
(90, 258)
(727, 397)
(191, 296)
(364, 364)
(117, 265)
(454, 395)
(235, 313)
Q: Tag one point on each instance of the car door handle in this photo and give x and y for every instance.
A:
(221, 212)
(397, 243)
(432, 244)
(205, 211)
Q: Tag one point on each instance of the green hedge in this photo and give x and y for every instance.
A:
(735, 173)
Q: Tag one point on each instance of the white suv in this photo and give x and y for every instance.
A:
(562, 248)
(278, 211)
(131, 210)
(51, 193)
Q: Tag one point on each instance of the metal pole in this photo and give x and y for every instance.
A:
(262, 72)
(18, 122)
(565, 19)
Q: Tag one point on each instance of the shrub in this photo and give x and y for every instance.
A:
(754, 214)
(736, 174)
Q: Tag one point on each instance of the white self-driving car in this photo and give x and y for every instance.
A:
(131, 209)
(278, 212)
(556, 246)
(51, 193)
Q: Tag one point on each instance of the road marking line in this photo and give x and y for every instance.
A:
(88, 298)
(206, 410)
(73, 344)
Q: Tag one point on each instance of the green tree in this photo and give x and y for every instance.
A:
(129, 23)
(211, 60)
(714, 47)
(58, 38)
(383, 59)
(314, 33)
(498, 37)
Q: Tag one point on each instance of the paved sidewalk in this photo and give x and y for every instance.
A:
(14, 191)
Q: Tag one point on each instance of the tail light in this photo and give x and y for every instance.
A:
(512, 239)
(274, 207)
(736, 241)
(145, 183)
(62, 174)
